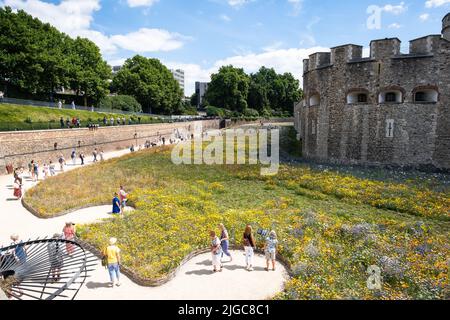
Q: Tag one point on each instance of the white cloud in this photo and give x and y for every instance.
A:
(225, 18)
(395, 9)
(435, 3)
(394, 26)
(282, 60)
(141, 3)
(74, 17)
(239, 3)
(424, 17)
(297, 6)
(149, 40)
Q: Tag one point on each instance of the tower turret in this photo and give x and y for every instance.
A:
(446, 27)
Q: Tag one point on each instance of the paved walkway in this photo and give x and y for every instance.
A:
(194, 281)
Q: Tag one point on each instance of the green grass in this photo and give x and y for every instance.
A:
(328, 237)
(18, 116)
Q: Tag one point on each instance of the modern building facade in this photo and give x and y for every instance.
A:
(200, 90)
(178, 74)
(387, 109)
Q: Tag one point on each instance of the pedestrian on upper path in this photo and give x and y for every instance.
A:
(82, 158)
(62, 162)
(73, 156)
(17, 188)
(94, 154)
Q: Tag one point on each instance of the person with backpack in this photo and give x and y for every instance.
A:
(270, 249)
(249, 246)
(111, 259)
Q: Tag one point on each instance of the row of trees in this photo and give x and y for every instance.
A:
(38, 59)
(262, 93)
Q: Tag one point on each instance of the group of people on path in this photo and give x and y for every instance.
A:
(119, 202)
(220, 247)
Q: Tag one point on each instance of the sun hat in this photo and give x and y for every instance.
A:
(15, 237)
(112, 241)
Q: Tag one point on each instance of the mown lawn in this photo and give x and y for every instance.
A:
(332, 226)
(25, 117)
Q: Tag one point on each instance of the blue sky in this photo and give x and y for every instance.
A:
(201, 35)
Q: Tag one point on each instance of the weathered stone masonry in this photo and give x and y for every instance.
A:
(388, 109)
(19, 148)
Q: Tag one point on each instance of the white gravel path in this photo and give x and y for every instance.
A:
(194, 281)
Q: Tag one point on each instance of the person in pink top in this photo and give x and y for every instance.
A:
(69, 234)
(123, 199)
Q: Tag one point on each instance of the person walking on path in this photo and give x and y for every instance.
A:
(73, 156)
(35, 171)
(56, 258)
(30, 169)
(69, 234)
(73, 105)
(62, 162)
(102, 156)
(17, 188)
(216, 251)
(59, 104)
(112, 256)
(52, 168)
(61, 121)
(82, 158)
(116, 204)
(123, 199)
(45, 171)
(20, 252)
(270, 249)
(249, 246)
(225, 241)
(94, 154)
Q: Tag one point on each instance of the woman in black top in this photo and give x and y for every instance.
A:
(249, 246)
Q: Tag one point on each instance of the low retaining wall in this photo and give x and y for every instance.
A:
(20, 147)
(145, 282)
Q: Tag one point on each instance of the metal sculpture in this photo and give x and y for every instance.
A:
(44, 269)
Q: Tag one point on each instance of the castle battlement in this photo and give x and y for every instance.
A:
(380, 49)
(388, 108)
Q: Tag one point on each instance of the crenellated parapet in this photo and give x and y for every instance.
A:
(387, 108)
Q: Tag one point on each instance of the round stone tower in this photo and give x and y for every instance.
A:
(446, 27)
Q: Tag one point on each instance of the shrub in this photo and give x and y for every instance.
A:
(120, 102)
(251, 113)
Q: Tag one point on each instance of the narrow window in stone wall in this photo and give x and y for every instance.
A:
(391, 97)
(390, 128)
(313, 127)
(362, 98)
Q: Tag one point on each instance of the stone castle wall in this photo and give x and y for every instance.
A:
(19, 148)
(335, 127)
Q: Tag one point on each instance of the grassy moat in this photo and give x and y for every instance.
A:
(332, 226)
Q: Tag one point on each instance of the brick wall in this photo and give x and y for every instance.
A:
(19, 148)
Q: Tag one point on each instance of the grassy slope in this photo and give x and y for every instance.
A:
(18, 113)
(329, 241)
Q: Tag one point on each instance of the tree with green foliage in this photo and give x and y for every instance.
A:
(272, 91)
(38, 59)
(120, 102)
(88, 72)
(229, 89)
(151, 83)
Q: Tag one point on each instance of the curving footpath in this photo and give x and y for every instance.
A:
(194, 280)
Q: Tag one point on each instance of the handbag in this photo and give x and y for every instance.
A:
(104, 258)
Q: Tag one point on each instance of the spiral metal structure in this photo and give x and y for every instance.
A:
(44, 269)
